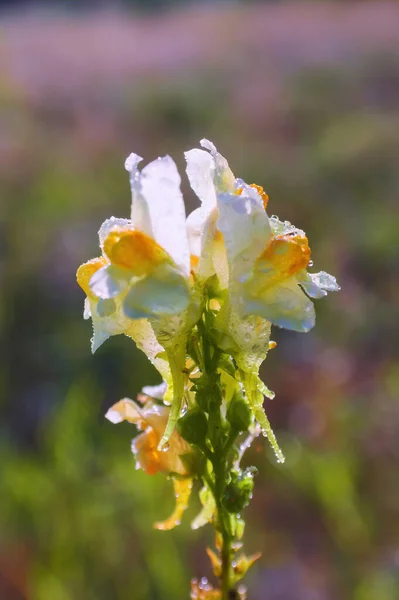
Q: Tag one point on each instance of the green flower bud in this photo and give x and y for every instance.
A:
(239, 492)
(239, 414)
(193, 427)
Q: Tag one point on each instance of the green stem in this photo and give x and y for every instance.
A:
(226, 579)
(219, 458)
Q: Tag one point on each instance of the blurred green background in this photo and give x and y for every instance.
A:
(302, 98)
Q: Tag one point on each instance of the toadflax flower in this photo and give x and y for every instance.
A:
(152, 418)
(141, 286)
(262, 262)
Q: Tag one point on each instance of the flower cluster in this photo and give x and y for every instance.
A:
(199, 296)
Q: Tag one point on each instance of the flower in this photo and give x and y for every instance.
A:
(145, 264)
(262, 263)
(141, 286)
(152, 419)
(267, 259)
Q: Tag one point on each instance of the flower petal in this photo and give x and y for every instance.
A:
(164, 292)
(111, 224)
(160, 184)
(224, 179)
(140, 214)
(245, 228)
(125, 410)
(284, 305)
(107, 307)
(316, 285)
(108, 282)
(200, 172)
(182, 488)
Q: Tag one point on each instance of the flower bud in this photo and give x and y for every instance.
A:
(239, 492)
(193, 427)
(239, 414)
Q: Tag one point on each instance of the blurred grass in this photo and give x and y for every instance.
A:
(309, 109)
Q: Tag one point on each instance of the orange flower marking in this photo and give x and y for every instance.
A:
(262, 194)
(194, 260)
(86, 272)
(134, 250)
(286, 255)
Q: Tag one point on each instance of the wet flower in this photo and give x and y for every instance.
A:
(151, 419)
(145, 264)
(267, 259)
(141, 285)
(262, 263)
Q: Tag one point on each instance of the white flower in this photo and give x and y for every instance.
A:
(141, 286)
(267, 259)
(262, 262)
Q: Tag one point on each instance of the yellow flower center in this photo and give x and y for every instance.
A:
(135, 251)
(286, 255)
(86, 272)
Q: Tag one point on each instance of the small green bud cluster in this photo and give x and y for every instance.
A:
(238, 492)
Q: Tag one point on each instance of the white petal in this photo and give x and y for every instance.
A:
(140, 215)
(245, 228)
(160, 184)
(284, 305)
(111, 224)
(316, 285)
(309, 286)
(325, 281)
(131, 164)
(195, 224)
(108, 282)
(155, 391)
(224, 179)
(140, 331)
(86, 309)
(200, 172)
(165, 292)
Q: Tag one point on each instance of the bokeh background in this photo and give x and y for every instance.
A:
(303, 98)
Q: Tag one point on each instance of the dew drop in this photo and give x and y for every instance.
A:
(166, 447)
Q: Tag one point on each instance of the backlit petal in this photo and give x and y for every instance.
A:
(224, 179)
(284, 305)
(165, 292)
(108, 282)
(200, 172)
(160, 182)
(140, 214)
(245, 228)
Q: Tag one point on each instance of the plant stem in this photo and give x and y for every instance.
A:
(221, 444)
(226, 567)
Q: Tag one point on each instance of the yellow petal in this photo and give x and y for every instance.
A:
(182, 489)
(86, 272)
(134, 250)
